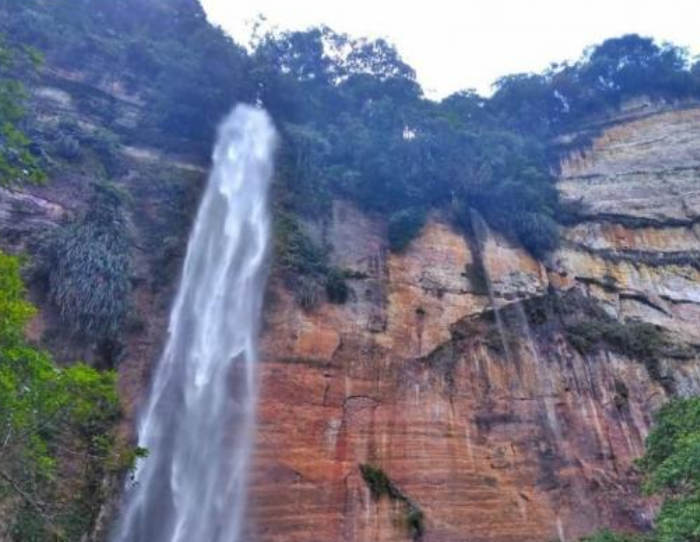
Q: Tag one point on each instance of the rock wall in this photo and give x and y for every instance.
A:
(494, 426)
(516, 440)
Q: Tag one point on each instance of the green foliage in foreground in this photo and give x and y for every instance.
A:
(671, 466)
(57, 440)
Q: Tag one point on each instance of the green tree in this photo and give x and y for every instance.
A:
(57, 440)
(633, 64)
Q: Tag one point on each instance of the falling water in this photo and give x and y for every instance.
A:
(199, 420)
(544, 382)
(481, 232)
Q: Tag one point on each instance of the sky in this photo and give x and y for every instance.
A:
(468, 44)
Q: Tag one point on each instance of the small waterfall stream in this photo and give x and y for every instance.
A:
(198, 424)
(481, 232)
(519, 322)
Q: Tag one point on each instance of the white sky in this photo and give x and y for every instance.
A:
(460, 44)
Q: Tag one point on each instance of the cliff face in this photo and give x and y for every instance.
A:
(639, 193)
(489, 422)
(493, 425)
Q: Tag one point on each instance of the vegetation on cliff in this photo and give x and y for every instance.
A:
(362, 129)
(380, 485)
(305, 265)
(88, 267)
(57, 431)
(671, 467)
(17, 162)
(589, 328)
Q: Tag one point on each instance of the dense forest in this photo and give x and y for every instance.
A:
(355, 124)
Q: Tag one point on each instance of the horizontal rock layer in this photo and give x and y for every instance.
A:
(524, 442)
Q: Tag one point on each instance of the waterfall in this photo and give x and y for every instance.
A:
(198, 424)
(481, 234)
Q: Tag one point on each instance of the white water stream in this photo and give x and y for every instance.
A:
(198, 424)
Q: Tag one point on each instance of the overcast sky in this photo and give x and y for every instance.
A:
(460, 44)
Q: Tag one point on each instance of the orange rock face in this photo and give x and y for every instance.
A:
(531, 444)
(528, 448)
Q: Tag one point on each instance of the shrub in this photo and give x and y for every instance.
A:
(106, 146)
(609, 536)
(404, 226)
(15, 311)
(637, 340)
(17, 159)
(337, 289)
(538, 233)
(68, 148)
(295, 250)
(671, 469)
(588, 327)
(307, 265)
(306, 293)
(672, 458)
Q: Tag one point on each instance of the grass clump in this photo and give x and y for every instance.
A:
(88, 267)
(380, 485)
